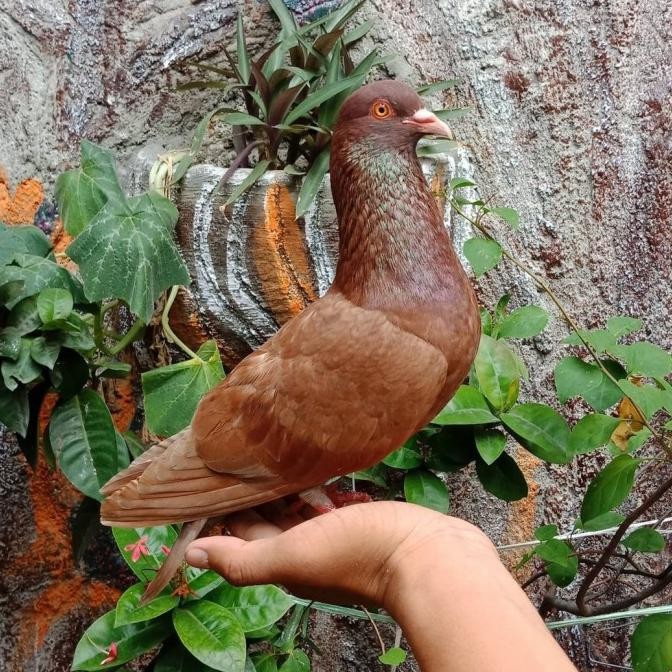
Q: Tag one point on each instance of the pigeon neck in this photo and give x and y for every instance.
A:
(392, 237)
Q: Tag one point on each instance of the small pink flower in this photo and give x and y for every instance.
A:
(111, 654)
(165, 549)
(139, 548)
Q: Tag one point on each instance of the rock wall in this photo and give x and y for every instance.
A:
(570, 124)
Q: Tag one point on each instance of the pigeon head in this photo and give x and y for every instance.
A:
(391, 114)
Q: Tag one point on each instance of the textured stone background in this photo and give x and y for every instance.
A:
(571, 125)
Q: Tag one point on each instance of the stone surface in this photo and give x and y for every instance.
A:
(570, 124)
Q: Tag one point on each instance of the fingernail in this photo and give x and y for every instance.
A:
(197, 557)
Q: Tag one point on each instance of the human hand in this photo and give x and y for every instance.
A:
(357, 554)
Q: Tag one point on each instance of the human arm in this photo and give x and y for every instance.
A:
(438, 576)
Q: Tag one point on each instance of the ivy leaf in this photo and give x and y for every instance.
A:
(173, 392)
(610, 487)
(426, 489)
(645, 540)
(483, 254)
(212, 635)
(490, 444)
(651, 644)
(393, 656)
(255, 607)
(143, 547)
(541, 430)
(525, 322)
(621, 325)
(81, 193)
(406, 457)
(84, 441)
(509, 215)
(591, 432)
(467, 407)
(127, 252)
(498, 371)
(574, 378)
(130, 640)
(643, 358)
(503, 478)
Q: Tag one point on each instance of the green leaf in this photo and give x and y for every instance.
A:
(82, 192)
(467, 407)
(111, 368)
(172, 392)
(313, 100)
(643, 358)
(604, 522)
(461, 182)
(490, 444)
(427, 89)
(131, 641)
(254, 174)
(406, 457)
(482, 254)
(560, 560)
(297, 661)
(645, 540)
(498, 371)
(541, 430)
(610, 487)
(651, 644)
(175, 658)
(14, 409)
(394, 656)
(591, 432)
(509, 215)
(70, 374)
(424, 488)
(54, 304)
(203, 583)
(23, 319)
(242, 54)
(44, 352)
(129, 610)
(22, 370)
(546, 532)
(503, 478)
(525, 322)
(451, 448)
(10, 343)
(599, 339)
(284, 15)
(648, 397)
(83, 438)
(127, 252)
(242, 119)
(212, 634)
(312, 182)
(265, 662)
(255, 607)
(433, 147)
(376, 475)
(620, 326)
(22, 240)
(35, 274)
(147, 544)
(574, 377)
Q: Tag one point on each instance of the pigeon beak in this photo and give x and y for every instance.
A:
(429, 124)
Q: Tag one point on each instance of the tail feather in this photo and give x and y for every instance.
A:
(188, 533)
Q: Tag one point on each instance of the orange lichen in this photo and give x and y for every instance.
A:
(281, 258)
(120, 398)
(521, 521)
(21, 207)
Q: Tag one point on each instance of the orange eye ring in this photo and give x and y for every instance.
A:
(381, 109)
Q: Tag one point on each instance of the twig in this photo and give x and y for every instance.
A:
(375, 627)
(165, 324)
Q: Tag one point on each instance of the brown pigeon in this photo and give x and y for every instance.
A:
(355, 374)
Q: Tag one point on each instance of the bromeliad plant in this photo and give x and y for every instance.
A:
(290, 96)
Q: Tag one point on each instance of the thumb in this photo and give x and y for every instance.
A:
(241, 563)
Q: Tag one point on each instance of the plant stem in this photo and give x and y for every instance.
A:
(375, 627)
(128, 338)
(567, 317)
(165, 324)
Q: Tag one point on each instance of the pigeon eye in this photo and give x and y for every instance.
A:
(381, 109)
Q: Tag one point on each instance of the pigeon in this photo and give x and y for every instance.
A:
(351, 377)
